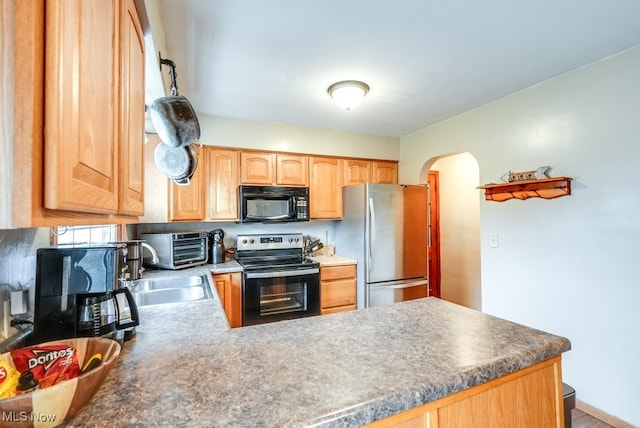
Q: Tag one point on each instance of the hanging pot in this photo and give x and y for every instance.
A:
(173, 117)
(177, 163)
(175, 121)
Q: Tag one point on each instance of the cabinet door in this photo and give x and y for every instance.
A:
(257, 168)
(132, 113)
(340, 293)
(229, 286)
(325, 188)
(292, 170)
(337, 288)
(223, 183)
(81, 125)
(233, 300)
(188, 202)
(384, 172)
(356, 171)
(221, 281)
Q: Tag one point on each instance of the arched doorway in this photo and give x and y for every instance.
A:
(455, 228)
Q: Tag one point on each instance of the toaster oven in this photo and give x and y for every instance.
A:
(177, 250)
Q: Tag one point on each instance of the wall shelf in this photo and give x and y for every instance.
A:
(547, 188)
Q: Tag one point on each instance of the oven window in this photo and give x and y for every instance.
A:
(276, 298)
(282, 298)
(267, 208)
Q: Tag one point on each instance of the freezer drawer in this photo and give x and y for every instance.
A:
(387, 293)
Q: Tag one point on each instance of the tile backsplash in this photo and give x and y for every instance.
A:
(18, 259)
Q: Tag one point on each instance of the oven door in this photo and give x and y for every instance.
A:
(279, 295)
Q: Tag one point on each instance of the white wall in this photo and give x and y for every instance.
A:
(459, 230)
(567, 265)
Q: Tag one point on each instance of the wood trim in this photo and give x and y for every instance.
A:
(602, 415)
(276, 152)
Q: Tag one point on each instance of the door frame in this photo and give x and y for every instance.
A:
(433, 233)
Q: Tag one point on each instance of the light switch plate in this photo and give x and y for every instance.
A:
(493, 240)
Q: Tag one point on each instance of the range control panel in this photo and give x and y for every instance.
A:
(278, 241)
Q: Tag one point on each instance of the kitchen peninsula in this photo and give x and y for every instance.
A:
(185, 367)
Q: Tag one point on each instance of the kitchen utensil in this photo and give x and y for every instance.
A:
(177, 163)
(173, 117)
(175, 121)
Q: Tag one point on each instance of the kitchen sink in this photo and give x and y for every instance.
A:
(158, 291)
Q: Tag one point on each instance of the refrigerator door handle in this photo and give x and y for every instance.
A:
(403, 285)
(372, 233)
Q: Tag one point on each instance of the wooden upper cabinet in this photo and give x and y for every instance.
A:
(325, 187)
(188, 202)
(223, 176)
(292, 170)
(257, 168)
(384, 172)
(132, 94)
(273, 169)
(81, 98)
(356, 171)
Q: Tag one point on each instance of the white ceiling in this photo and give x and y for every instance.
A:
(425, 60)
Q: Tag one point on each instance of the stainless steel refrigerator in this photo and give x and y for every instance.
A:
(384, 227)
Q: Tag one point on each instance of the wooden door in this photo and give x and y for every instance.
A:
(132, 113)
(188, 202)
(257, 168)
(325, 188)
(292, 170)
(223, 179)
(356, 171)
(434, 234)
(81, 125)
(384, 172)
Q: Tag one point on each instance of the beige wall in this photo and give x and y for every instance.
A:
(459, 230)
(219, 131)
(566, 265)
(6, 110)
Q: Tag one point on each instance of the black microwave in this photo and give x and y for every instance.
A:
(271, 204)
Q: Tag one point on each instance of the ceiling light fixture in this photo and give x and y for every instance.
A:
(348, 93)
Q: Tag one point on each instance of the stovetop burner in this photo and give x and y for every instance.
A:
(272, 252)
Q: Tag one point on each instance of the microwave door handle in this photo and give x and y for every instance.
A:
(274, 217)
(293, 207)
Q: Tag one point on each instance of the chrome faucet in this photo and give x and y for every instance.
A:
(154, 255)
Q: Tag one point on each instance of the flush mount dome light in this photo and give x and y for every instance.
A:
(348, 93)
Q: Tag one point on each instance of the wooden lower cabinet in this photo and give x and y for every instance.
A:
(229, 287)
(337, 289)
(531, 397)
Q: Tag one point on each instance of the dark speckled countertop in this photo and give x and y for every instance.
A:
(185, 367)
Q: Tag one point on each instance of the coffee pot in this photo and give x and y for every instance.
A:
(101, 315)
(77, 291)
(216, 251)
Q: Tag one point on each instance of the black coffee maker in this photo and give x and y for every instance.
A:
(76, 292)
